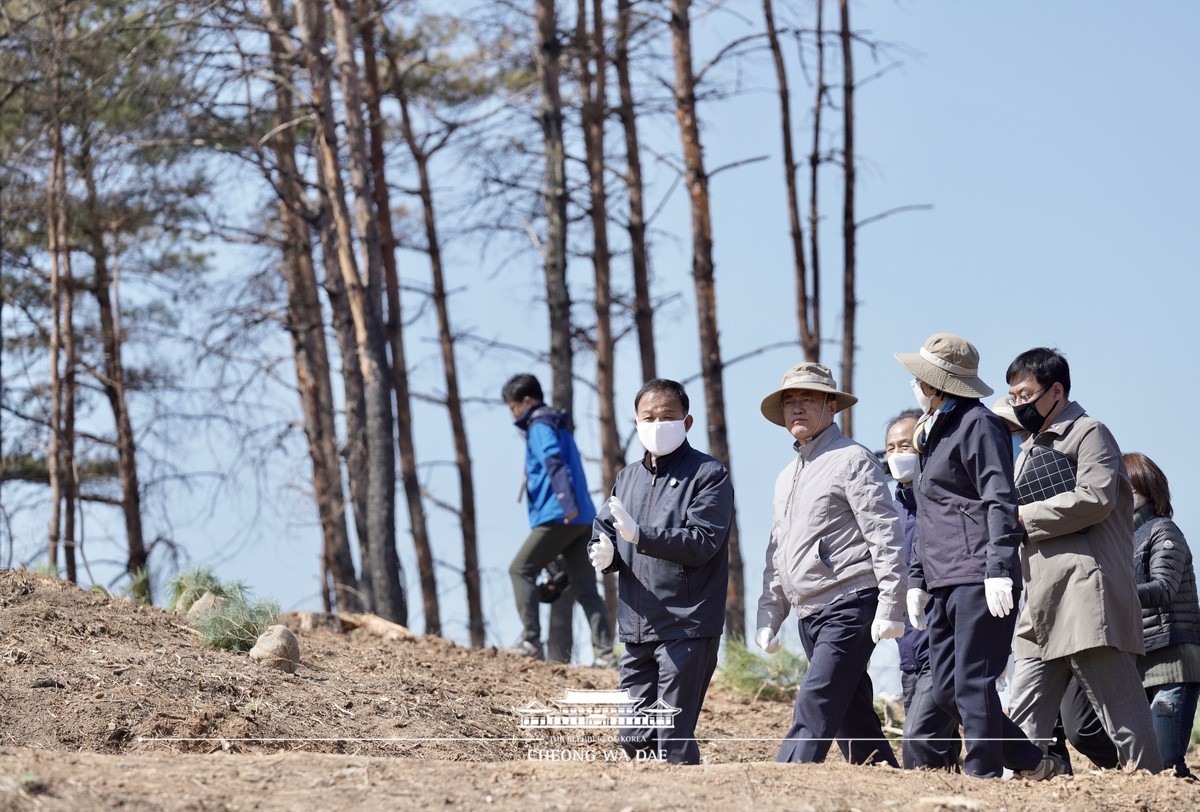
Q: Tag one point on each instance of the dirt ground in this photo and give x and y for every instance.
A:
(109, 705)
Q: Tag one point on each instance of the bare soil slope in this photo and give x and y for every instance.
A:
(106, 704)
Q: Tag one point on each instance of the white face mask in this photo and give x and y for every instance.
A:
(661, 437)
(1138, 500)
(903, 465)
(924, 401)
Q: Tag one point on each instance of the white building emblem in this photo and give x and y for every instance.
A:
(592, 709)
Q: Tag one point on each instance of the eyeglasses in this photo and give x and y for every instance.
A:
(805, 402)
(1018, 400)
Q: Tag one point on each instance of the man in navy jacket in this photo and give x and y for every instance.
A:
(967, 555)
(665, 532)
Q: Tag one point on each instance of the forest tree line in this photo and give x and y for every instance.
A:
(361, 132)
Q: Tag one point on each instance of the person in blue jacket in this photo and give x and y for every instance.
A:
(665, 532)
(560, 518)
(931, 738)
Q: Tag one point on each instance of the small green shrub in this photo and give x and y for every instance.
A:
(236, 624)
(187, 587)
(45, 568)
(774, 677)
(139, 586)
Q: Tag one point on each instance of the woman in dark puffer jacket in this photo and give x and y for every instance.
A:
(1170, 612)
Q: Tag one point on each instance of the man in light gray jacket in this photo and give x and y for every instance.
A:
(834, 555)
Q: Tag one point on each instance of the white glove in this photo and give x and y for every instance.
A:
(882, 629)
(1003, 679)
(622, 521)
(917, 599)
(999, 593)
(767, 640)
(601, 552)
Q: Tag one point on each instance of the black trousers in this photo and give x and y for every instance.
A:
(931, 740)
(675, 673)
(1079, 724)
(968, 650)
(836, 698)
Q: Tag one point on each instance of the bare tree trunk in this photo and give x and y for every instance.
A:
(554, 251)
(306, 327)
(68, 473)
(462, 452)
(559, 636)
(113, 383)
(353, 390)
(711, 366)
(850, 313)
(316, 398)
(595, 108)
(63, 352)
(594, 114)
(395, 328)
(813, 353)
(808, 340)
(54, 223)
(383, 569)
(643, 312)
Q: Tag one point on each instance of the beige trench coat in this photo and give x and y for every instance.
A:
(1077, 563)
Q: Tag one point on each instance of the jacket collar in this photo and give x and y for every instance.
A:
(1066, 418)
(664, 463)
(525, 419)
(932, 427)
(1142, 515)
(820, 443)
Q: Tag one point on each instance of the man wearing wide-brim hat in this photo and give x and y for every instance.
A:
(835, 556)
(967, 554)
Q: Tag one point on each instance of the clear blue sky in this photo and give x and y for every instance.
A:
(1056, 145)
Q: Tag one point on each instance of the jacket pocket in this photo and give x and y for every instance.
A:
(823, 555)
(668, 582)
(971, 531)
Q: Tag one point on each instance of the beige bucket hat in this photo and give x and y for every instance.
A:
(948, 363)
(809, 376)
(1003, 408)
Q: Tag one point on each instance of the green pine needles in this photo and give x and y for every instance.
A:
(773, 678)
(234, 623)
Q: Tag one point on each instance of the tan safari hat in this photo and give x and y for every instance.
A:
(809, 376)
(948, 363)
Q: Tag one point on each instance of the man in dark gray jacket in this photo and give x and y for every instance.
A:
(664, 531)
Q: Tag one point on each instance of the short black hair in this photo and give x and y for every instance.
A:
(1047, 366)
(907, 414)
(666, 386)
(521, 386)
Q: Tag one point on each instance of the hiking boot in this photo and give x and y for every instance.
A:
(606, 660)
(528, 648)
(1051, 767)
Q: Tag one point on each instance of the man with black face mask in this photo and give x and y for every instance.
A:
(1081, 615)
